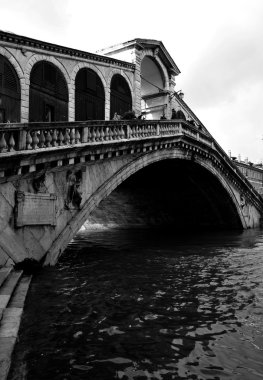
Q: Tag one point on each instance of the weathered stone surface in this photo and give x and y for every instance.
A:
(12, 245)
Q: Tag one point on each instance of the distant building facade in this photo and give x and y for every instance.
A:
(43, 82)
(253, 173)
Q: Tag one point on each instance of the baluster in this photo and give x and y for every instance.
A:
(119, 132)
(106, 134)
(114, 133)
(60, 138)
(93, 134)
(149, 130)
(72, 136)
(35, 140)
(54, 138)
(122, 134)
(102, 134)
(145, 130)
(66, 137)
(28, 141)
(88, 134)
(11, 143)
(97, 134)
(111, 134)
(42, 139)
(48, 139)
(3, 143)
(77, 137)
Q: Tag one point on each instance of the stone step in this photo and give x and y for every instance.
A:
(4, 272)
(8, 287)
(10, 322)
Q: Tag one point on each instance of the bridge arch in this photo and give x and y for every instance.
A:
(118, 178)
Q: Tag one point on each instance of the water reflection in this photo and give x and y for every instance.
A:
(128, 304)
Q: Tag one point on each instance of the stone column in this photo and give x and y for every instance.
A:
(136, 59)
(71, 103)
(171, 102)
(107, 103)
(24, 100)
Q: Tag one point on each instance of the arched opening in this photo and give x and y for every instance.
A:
(192, 198)
(10, 93)
(48, 96)
(120, 97)
(89, 96)
(153, 93)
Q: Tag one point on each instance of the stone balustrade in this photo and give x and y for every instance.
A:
(32, 136)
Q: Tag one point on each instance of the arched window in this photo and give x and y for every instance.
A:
(89, 96)
(10, 93)
(48, 96)
(120, 97)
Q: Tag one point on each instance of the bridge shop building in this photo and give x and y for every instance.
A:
(44, 82)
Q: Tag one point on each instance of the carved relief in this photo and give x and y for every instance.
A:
(156, 52)
(74, 198)
(39, 184)
(244, 205)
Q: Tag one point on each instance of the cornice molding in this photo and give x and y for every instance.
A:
(26, 42)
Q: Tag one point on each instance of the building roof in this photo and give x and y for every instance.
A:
(11, 38)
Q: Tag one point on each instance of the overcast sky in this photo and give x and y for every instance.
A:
(217, 44)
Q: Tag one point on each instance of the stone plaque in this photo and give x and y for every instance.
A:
(35, 209)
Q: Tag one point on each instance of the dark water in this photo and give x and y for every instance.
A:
(138, 304)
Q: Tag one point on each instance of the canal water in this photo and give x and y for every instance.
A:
(146, 304)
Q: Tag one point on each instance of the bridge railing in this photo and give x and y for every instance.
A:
(32, 136)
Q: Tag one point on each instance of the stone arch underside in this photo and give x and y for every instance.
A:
(192, 189)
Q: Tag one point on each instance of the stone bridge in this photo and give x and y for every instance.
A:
(54, 176)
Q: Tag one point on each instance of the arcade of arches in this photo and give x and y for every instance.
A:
(49, 96)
